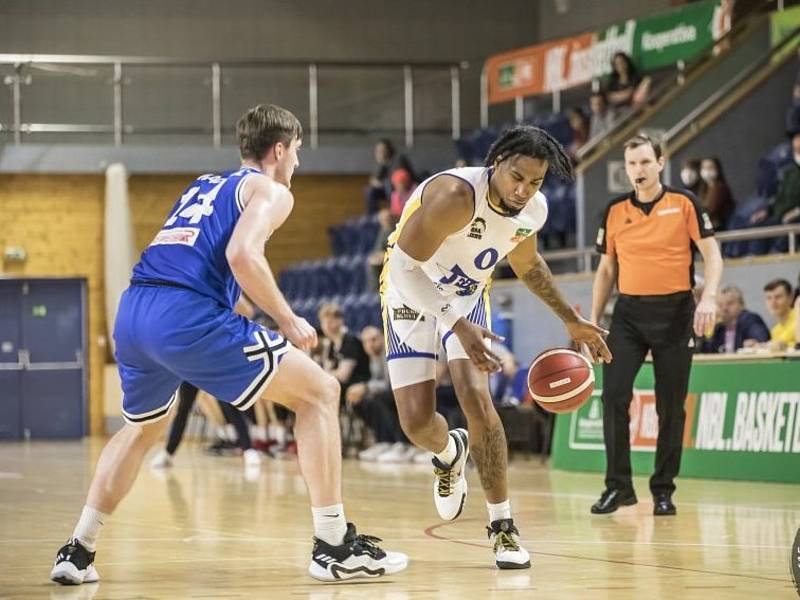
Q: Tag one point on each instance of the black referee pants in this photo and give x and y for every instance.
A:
(662, 324)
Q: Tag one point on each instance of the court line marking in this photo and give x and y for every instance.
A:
(430, 531)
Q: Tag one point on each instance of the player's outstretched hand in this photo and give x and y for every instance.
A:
(298, 331)
(471, 337)
(586, 332)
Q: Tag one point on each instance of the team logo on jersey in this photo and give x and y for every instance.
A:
(521, 234)
(186, 236)
(404, 313)
(464, 284)
(477, 229)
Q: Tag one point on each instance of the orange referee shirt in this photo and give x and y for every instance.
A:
(654, 241)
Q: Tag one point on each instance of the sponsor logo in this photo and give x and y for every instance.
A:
(186, 236)
(707, 222)
(560, 382)
(601, 235)
(404, 313)
(668, 211)
(477, 229)
(521, 234)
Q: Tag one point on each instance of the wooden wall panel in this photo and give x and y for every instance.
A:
(58, 219)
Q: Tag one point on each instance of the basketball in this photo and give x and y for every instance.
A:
(561, 380)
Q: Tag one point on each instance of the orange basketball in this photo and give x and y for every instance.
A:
(561, 380)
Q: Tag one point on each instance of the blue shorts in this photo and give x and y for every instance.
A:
(167, 335)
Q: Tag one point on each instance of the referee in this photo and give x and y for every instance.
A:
(646, 245)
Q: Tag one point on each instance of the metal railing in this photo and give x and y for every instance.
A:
(583, 256)
(22, 64)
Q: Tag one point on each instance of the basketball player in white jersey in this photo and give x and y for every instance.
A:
(435, 291)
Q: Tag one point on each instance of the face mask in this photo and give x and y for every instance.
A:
(708, 175)
(688, 176)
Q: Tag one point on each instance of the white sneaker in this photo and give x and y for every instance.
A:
(74, 565)
(252, 457)
(450, 483)
(508, 554)
(162, 460)
(371, 454)
(398, 453)
(357, 556)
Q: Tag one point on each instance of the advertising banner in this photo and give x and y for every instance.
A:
(742, 422)
(653, 42)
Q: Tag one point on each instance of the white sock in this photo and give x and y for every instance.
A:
(88, 527)
(230, 433)
(274, 432)
(329, 523)
(448, 455)
(260, 433)
(502, 510)
(220, 431)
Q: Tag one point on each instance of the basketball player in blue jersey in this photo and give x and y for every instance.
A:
(435, 293)
(176, 323)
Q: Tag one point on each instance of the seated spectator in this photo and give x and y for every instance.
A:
(625, 85)
(579, 123)
(404, 186)
(379, 186)
(717, 199)
(375, 258)
(778, 297)
(500, 382)
(343, 355)
(373, 401)
(690, 177)
(602, 119)
(736, 326)
(786, 207)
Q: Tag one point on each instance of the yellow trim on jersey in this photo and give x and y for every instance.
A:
(411, 207)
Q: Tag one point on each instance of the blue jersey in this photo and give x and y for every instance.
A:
(190, 248)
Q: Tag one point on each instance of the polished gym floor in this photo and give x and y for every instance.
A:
(209, 528)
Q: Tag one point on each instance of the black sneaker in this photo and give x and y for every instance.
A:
(663, 506)
(611, 499)
(358, 556)
(74, 565)
(508, 554)
(222, 448)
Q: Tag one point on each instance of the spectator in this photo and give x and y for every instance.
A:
(602, 119)
(343, 355)
(379, 186)
(404, 186)
(625, 85)
(717, 200)
(690, 177)
(373, 401)
(786, 207)
(579, 123)
(375, 259)
(738, 327)
(778, 297)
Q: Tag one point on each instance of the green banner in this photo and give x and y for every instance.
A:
(781, 24)
(742, 422)
(682, 34)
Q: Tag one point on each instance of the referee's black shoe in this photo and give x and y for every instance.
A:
(611, 499)
(663, 506)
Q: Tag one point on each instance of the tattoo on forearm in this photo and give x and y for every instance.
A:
(490, 454)
(539, 280)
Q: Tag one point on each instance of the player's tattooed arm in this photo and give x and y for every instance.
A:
(539, 280)
(535, 274)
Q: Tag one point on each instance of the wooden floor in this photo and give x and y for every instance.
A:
(210, 529)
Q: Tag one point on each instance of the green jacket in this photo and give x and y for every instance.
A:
(788, 195)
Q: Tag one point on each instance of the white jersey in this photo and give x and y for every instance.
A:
(463, 265)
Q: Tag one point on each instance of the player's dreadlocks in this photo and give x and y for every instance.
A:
(534, 142)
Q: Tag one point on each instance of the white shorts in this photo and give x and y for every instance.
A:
(414, 340)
